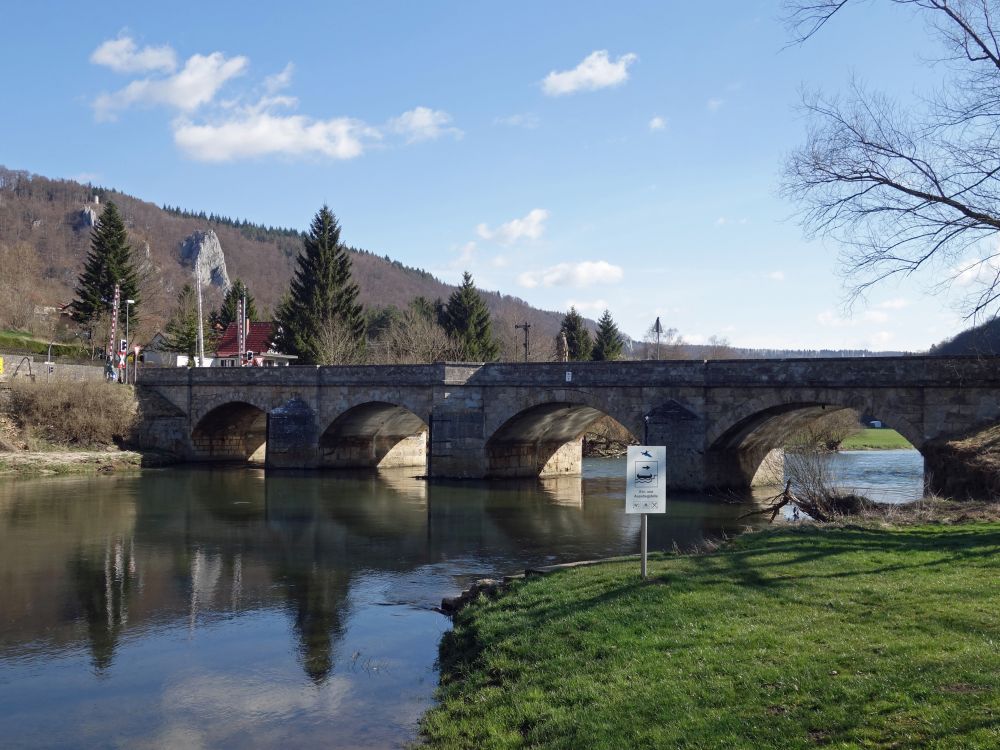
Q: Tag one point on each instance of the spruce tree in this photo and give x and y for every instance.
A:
(321, 293)
(467, 320)
(230, 305)
(181, 331)
(108, 262)
(608, 343)
(578, 339)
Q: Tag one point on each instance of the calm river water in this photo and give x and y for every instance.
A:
(225, 608)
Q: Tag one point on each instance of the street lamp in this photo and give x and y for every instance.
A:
(127, 303)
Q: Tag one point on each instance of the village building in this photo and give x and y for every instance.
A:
(259, 351)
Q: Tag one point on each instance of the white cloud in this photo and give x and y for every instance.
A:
(593, 307)
(596, 71)
(976, 271)
(279, 81)
(897, 303)
(466, 253)
(657, 123)
(423, 124)
(123, 56)
(526, 120)
(530, 227)
(255, 133)
(194, 85)
(721, 221)
(714, 105)
(585, 273)
(830, 319)
(500, 261)
(776, 276)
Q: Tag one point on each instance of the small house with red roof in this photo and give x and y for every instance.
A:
(260, 349)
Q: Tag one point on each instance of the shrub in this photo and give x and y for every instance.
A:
(68, 413)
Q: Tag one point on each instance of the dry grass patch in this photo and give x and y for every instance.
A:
(71, 414)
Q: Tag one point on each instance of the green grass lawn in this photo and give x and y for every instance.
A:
(872, 439)
(800, 637)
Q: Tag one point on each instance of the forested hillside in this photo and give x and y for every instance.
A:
(981, 339)
(45, 227)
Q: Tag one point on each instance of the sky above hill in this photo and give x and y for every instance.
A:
(625, 156)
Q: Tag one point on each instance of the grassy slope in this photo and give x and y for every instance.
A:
(794, 638)
(872, 439)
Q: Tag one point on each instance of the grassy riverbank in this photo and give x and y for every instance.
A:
(793, 638)
(872, 440)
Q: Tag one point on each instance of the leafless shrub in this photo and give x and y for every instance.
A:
(68, 413)
(828, 432)
(413, 339)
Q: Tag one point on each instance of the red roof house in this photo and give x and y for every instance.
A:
(259, 344)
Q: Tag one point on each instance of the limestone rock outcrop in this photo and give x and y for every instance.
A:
(203, 249)
(88, 216)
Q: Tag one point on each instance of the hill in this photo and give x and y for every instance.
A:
(45, 224)
(981, 339)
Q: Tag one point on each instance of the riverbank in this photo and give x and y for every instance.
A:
(795, 637)
(42, 463)
(875, 440)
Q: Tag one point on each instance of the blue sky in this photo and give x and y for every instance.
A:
(621, 155)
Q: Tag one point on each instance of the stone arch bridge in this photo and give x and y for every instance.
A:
(718, 419)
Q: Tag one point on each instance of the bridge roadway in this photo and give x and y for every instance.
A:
(718, 419)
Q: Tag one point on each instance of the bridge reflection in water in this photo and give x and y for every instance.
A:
(201, 605)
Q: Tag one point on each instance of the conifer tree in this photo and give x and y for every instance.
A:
(321, 293)
(467, 320)
(181, 331)
(108, 262)
(230, 305)
(608, 343)
(578, 339)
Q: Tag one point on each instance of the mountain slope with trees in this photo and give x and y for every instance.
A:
(47, 223)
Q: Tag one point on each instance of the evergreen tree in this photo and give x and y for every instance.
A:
(608, 343)
(230, 304)
(467, 320)
(321, 293)
(181, 331)
(108, 262)
(578, 339)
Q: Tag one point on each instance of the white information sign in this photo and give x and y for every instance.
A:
(645, 489)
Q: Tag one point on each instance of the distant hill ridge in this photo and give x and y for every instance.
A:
(50, 215)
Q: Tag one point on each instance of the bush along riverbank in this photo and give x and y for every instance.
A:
(67, 427)
(797, 637)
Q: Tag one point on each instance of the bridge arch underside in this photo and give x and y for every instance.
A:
(236, 431)
(542, 441)
(733, 459)
(374, 435)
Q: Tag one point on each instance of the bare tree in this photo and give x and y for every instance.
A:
(909, 187)
(672, 344)
(413, 338)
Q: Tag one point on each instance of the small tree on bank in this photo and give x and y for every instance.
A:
(467, 319)
(321, 294)
(608, 342)
(578, 341)
(109, 262)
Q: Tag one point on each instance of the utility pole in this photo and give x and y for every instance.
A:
(525, 326)
(201, 325)
(659, 329)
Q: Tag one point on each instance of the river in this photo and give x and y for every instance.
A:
(195, 607)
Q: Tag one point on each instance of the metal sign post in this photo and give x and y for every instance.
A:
(645, 489)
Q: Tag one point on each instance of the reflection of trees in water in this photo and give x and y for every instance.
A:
(103, 582)
(318, 602)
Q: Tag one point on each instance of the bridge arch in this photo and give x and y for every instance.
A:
(374, 434)
(543, 439)
(738, 444)
(231, 431)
